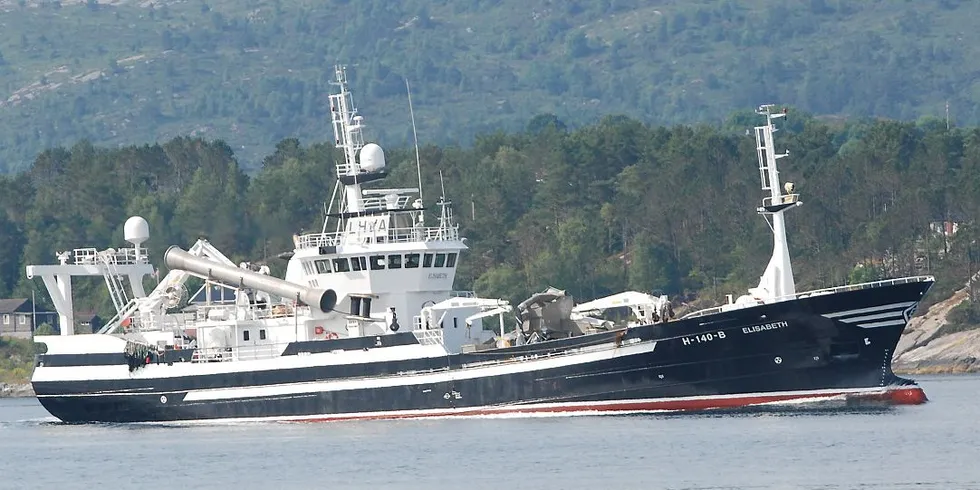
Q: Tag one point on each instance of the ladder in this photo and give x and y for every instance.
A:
(117, 290)
(127, 311)
(761, 149)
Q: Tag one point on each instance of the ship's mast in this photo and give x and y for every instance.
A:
(415, 136)
(347, 127)
(777, 282)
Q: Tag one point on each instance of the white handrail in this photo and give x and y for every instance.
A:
(429, 337)
(832, 290)
(863, 285)
(392, 235)
(120, 256)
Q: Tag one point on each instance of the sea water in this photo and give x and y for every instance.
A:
(931, 446)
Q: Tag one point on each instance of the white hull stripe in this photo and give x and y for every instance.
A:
(184, 369)
(505, 368)
(585, 408)
(890, 323)
(496, 369)
(873, 309)
(891, 315)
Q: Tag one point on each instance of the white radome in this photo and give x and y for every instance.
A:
(136, 230)
(372, 158)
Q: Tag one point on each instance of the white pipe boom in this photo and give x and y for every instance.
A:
(175, 258)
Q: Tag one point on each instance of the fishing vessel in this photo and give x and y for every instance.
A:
(330, 340)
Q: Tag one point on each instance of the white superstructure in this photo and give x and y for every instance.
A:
(375, 249)
(379, 255)
(112, 264)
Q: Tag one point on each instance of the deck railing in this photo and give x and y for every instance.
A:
(820, 292)
(428, 337)
(863, 285)
(119, 256)
(391, 235)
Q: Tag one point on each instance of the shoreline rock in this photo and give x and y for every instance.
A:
(16, 390)
(924, 350)
(938, 369)
(938, 366)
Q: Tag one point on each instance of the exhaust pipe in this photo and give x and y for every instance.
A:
(175, 258)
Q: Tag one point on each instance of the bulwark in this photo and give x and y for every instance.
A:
(764, 327)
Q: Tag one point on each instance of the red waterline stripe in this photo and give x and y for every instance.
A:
(903, 396)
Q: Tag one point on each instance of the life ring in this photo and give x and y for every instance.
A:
(318, 330)
(332, 335)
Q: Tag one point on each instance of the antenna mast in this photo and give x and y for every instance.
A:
(418, 159)
(777, 282)
(347, 125)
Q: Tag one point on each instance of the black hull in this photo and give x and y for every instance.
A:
(835, 344)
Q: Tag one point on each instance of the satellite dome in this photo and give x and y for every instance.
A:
(372, 158)
(136, 230)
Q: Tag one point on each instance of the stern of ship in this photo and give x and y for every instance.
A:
(67, 366)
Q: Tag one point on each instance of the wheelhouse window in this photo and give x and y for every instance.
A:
(377, 262)
(357, 264)
(451, 260)
(412, 261)
(440, 260)
(323, 266)
(245, 335)
(427, 260)
(262, 334)
(394, 261)
(341, 265)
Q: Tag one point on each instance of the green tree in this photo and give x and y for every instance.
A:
(44, 329)
(502, 281)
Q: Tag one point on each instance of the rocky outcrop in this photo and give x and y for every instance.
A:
(15, 390)
(954, 353)
(923, 350)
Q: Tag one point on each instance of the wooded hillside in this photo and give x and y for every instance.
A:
(254, 72)
(597, 210)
